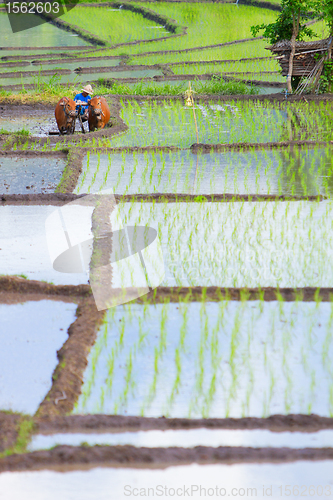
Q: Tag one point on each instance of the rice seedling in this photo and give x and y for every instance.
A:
(203, 26)
(284, 172)
(237, 335)
(113, 25)
(167, 123)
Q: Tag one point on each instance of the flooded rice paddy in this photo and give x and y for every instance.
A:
(29, 245)
(290, 171)
(30, 335)
(261, 480)
(172, 123)
(30, 175)
(188, 439)
(36, 123)
(45, 35)
(236, 244)
(227, 359)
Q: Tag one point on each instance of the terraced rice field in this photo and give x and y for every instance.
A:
(144, 39)
(166, 283)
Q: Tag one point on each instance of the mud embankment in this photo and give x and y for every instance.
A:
(73, 457)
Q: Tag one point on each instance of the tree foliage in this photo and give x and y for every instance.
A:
(283, 27)
(325, 9)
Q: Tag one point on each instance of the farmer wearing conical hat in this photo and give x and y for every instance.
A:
(83, 100)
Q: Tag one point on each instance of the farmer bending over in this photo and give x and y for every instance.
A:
(83, 100)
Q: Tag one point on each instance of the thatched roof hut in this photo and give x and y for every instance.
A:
(304, 60)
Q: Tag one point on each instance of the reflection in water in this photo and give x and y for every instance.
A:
(183, 360)
(306, 171)
(296, 170)
(45, 35)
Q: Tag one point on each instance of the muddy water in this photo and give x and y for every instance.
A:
(27, 244)
(195, 481)
(236, 244)
(298, 171)
(183, 360)
(45, 35)
(38, 124)
(189, 439)
(28, 355)
(30, 175)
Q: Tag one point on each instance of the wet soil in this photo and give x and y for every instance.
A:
(119, 423)
(130, 456)
(8, 430)
(61, 198)
(246, 146)
(100, 274)
(12, 286)
(72, 172)
(41, 180)
(68, 375)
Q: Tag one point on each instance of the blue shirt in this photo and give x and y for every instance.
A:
(81, 97)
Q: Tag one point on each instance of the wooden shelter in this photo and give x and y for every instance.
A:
(304, 61)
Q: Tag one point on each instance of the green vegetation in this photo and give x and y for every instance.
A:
(204, 26)
(23, 132)
(226, 67)
(260, 241)
(213, 86)
(114, 25)
(171, 123)
(289, 171)
(225, 359)
(292, 20)
(25, 430)
(228, 358)
(326, 79)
